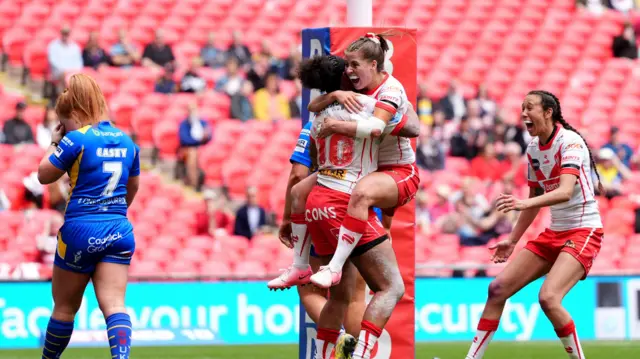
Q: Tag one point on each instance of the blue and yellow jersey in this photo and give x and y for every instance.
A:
(99, 160)
(301, 152)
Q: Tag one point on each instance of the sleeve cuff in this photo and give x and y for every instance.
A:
(399, 126)
(533, 184)
(386, 107)
(570, 171)
(56, 163)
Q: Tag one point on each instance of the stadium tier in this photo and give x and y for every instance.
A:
(509, 46)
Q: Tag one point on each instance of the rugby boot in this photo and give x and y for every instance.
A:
(325, 278)
(290, 277)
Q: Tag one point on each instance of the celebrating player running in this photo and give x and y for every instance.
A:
(96, 241)
(560, 165)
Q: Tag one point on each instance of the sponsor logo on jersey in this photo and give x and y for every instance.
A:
(77, 257)
(318, 214)
(67, 141)
(338, 174)
(546, 160)
(571, 159)
(111, 152)
(59, 151)
(570, 244)
(574, 146)
(301, 145)
(106, 134)
(100, 244)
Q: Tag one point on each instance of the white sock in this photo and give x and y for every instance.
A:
(301, 241)
(369, 335)
(484, 334)
(351, 231)
(569, 338)
(325, 342)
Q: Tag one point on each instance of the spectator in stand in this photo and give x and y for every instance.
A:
(423, 217)
(239, 50)
(216, 220)
(268, 103)
(158, 53)
(442, 210)
(289, 67)
(211, 55)
(623, 6)
(488, 107)
(47, 241)
(33, 192)
(265, 51)
(474, 117)
(487, 167)
(241, 107)
(64, 56)
(231, 82)
(17, 131)
(425, 106)
(470, 206)
(464, 143)
(258, 73)
(45, 129)
(612, 172)
(625, 45)
(453, 104)
(123, 53)
(430, 153)
(193, 133)
(623, 150)
(514, 131)
(93, 55)
(250, 218)
(192, 82)
(295, 104)
(515, 165)
(594, 6)
(166, 84)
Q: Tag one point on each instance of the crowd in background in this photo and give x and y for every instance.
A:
(454, 128)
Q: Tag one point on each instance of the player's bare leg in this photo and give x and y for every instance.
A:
(564, 275)
(377, 189)
(379, 268)
(522, 270)
(110, 282)
(333, 313)
(299, 273)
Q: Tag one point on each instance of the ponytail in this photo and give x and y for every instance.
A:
(550, 100)
(373, 47)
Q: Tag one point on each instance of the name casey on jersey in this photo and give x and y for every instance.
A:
(111, 152)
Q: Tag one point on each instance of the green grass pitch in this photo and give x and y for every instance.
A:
(457, 350)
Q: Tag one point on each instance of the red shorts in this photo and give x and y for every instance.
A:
(407, 179)
(325, 211)
(582, 243)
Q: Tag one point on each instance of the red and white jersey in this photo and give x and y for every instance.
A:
(344, 160)
(393, 150)
(566, 153)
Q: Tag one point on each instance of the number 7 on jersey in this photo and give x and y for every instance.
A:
(115, 169)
